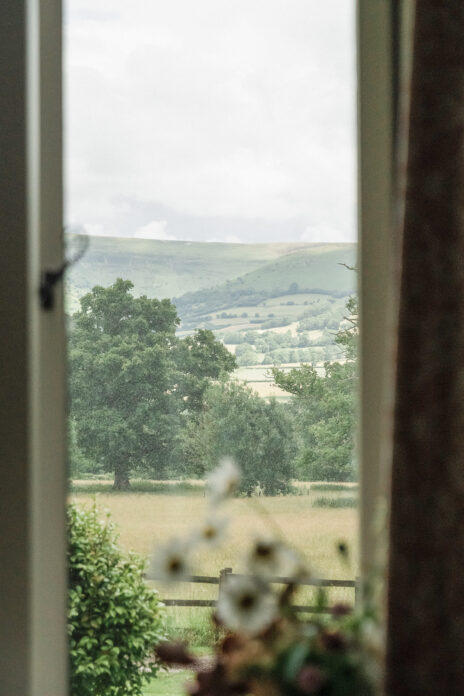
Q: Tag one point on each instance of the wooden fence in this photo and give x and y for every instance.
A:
(227, 573)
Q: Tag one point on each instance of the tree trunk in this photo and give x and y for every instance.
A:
(121, 480)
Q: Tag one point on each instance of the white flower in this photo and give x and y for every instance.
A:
(211, 532)
(269, 558)
(223, 482)
(245, 604)
(170, 562)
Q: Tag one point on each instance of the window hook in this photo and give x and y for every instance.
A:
(50, 278)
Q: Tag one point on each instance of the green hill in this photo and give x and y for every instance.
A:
(270, 303)
(172, 269)
(165, 269)
(311, 270)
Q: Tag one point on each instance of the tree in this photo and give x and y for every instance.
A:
(347, 337)
(324, 410)
(258, 434)
(121, 379)
(132, 381)
(199, 359)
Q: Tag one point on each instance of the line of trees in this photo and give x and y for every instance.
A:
(323, 409)
(145, 402)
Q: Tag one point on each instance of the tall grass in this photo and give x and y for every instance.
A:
(338, 502)
(331, 487)
(139, 486)
(146, 519)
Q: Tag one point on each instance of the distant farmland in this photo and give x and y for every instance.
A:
(271, 304)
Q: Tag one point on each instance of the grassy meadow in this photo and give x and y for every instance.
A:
(156, 511)
(168, 683)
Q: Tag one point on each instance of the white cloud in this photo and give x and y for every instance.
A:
(157, 229)
(212, 108)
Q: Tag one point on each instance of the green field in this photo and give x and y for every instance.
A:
(147, 519)
(157, 511)
(168, 684)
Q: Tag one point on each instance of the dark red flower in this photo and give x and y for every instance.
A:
(311, 679)
(341, 609)
(175, 654)
(333, 641)
(214, 682)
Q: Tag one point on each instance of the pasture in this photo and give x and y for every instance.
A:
(154, 515)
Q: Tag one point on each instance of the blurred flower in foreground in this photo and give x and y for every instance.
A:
(270, 648)
(211, 532)
(246, 604)
(170, 562)
(224, 481)
(311, 679)
(270, 558)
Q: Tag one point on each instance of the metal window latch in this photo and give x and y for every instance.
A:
(51, 278)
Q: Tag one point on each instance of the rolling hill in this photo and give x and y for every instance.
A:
(179, 269)
(269, 303)
(311, 270)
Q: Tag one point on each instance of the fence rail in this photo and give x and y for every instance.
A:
(228, 573)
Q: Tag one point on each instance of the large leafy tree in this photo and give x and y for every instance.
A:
(236, 422)
(324, 410)
(132, 381)
(121, 373)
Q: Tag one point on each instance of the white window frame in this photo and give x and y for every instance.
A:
(33, 583)
(33, 645)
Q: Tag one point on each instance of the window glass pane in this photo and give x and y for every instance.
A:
(210, 165)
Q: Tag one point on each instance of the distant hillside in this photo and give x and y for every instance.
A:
(269, 303)
(313, 270)
(167, 269)
(227, 273)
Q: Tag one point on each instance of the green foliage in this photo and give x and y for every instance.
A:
(114, 619)
(78, 464)
(258, 434)
(324, 411)
(199, 359)
(120, 374)
(347, 337)
(246, 354)
(132, 380)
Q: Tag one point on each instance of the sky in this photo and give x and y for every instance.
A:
(211, 120)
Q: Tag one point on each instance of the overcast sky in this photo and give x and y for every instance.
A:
(224, 120)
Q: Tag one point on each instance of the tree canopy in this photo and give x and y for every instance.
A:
(324, 410)
(132, 380)
(257, 433)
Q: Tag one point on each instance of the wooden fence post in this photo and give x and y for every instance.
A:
(357, 591)
(222, 576)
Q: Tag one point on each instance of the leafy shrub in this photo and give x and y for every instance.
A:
(114, 619)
